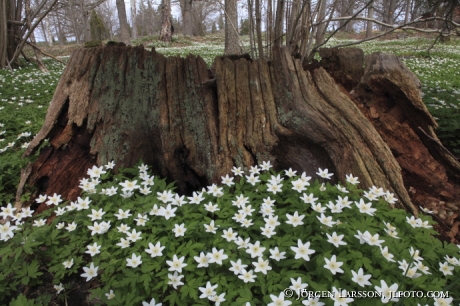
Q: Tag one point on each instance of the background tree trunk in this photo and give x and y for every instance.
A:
(320, 35)
(192, 124)
(3, 34)
(124, 26)
(38, 56)
(370, 14)
(134, 18)
(187, 17)
(279, 24)
(10, 26)
(85, 20)
(346, 9)
(49, 35)
(259, 29)
(251, 28)
(232, 42)
(166, 26)
(16, 30)
(388, 12)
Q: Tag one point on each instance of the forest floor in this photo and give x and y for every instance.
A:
(25, 96)
(218, 39)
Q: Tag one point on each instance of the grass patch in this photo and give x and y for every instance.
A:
(25, 95)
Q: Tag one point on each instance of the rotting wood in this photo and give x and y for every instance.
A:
(126, 103)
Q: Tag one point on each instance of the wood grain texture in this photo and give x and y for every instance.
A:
(192, 125)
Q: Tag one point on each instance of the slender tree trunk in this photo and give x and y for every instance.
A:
(288, 21)
(408, 9)
(279, 24)
(343, 11)
(43, 30)
(187, 17)
(166, 33)
(38, 56)
(73, 17)
(251, 27)
(259, 29)
(124, 26)
(388, 13)
(10, 31)
(292, 24)
(49, 34)
(198, 26)
(305, 33)
(269, 32)
(370, 14)
(232, 45)
(321, 33)
(134, 18)
(391, 17)
(3, 34)
(85, 16)
(18, 31)
(61, 34)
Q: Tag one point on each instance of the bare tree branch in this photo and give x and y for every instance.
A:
(396, 26)
(44, 53)
(393, 28)
(16, 23)
(30, 31)
(401, 27)
(310, 55)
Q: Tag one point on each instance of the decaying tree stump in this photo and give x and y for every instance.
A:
(192, 124)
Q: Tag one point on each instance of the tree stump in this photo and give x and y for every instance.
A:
(344, 65)
(192, 124)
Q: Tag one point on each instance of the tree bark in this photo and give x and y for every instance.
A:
(251, 28)
(346, 9)
(49, 35)
(85, 21)
(270, 28)
(370, 14)
(61, 36)
(187, 17)
(124, 27)
(134, 18)
(320, 35)
(38, 57)
(192, 124)
(3, 34)
(232, 45)
(18, 30)
(388, 12)
(292, 25)
(10, 31)
(407, 11)
(166, 26)
(260, 48)
(73, 16)
(279, 24)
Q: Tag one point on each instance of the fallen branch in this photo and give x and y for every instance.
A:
(44, 53)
